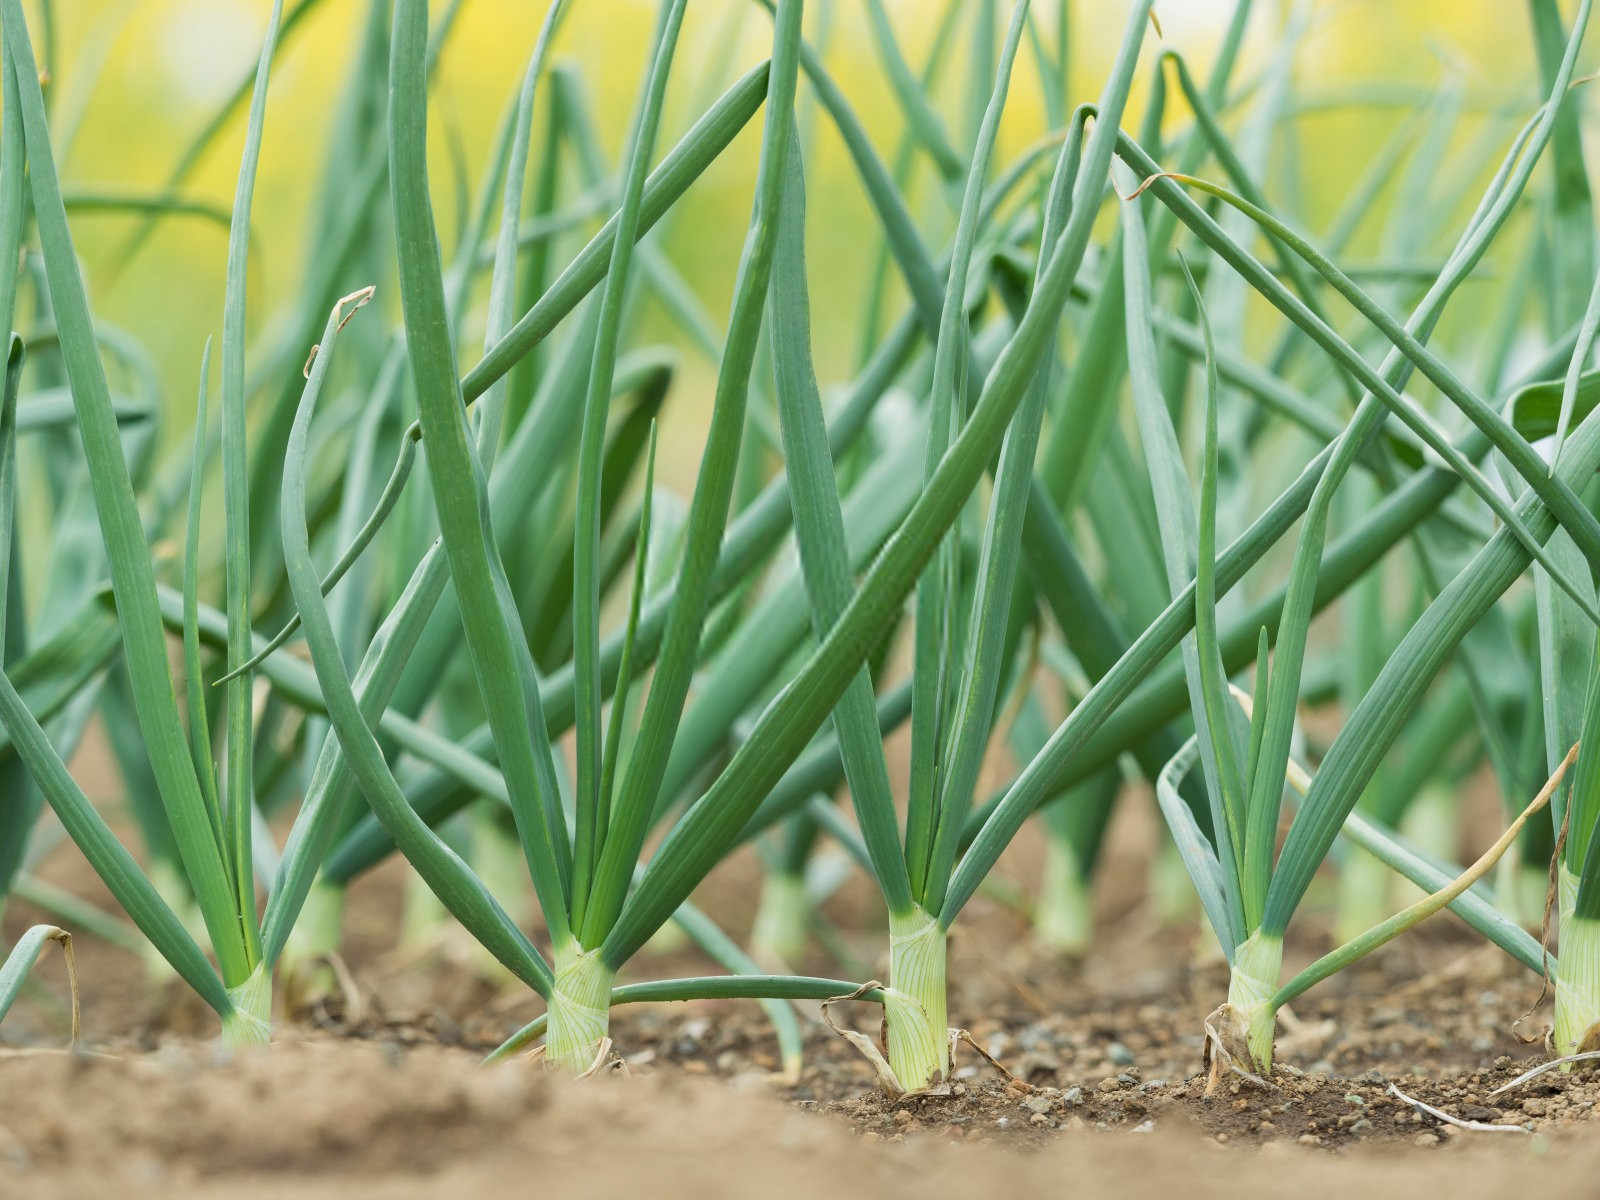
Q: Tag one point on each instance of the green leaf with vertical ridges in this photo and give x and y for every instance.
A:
(132, 573)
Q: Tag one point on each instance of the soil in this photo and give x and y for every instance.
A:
(378, 1091)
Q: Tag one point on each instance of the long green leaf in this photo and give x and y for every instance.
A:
(1573, 202)
(237, 796)
(921, 120)
(132, 574)
(19, 801)
(1575, 517)
(587, 844)
(1232, 770)
(789, 722)
(1175, 512)
(939, 590)
(456, 477)
(1375, 723)
(449, 878)
(1211, 881)
(111, 862)
(776, 625)
(986, 656)
(1580, 357)
(1092, 384)
(820, 535)
(683, 164)
(635, 800)
(194, 680)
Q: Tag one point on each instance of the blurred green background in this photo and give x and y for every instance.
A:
(136, 78)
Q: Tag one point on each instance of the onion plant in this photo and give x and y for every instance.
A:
(1250, 896)
(722, 815)
(1565, 642)
(328, 785)
(959, 666)
(581, 975)
(202, 826)
(581, 873)
(211, 814)
(1572, 704)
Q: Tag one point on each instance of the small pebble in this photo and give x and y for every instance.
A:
(1119, 1054)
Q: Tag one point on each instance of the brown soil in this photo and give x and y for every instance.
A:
(389, 1100)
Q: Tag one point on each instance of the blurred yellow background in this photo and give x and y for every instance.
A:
(136, 79)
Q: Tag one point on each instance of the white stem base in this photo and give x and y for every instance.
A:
(669, 939)
(1431, 825)
(1577, 1022)
(1063, 919)
(172, 888)
(423, 918)
(1530, 884)
(580, 1010)
(1257, 963)
(914, 1006)
(498, 861)
(318, 932)
(250, 1023)
(783, 919)
(1171, 891)
(1364, 895)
